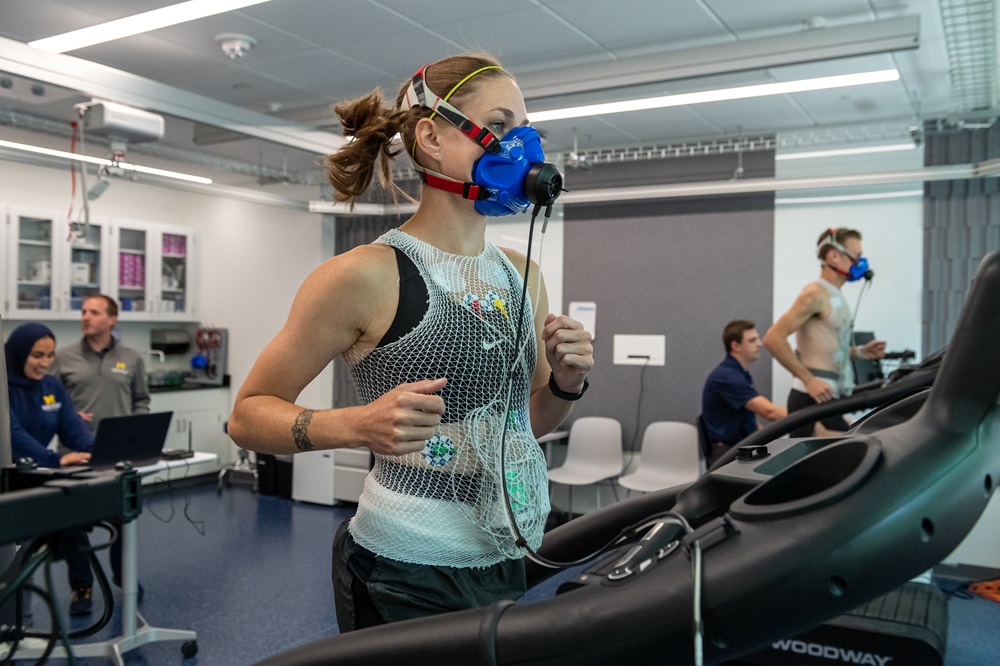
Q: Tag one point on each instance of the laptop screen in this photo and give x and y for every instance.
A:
(137, 438)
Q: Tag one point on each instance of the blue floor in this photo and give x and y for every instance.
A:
(251, 575)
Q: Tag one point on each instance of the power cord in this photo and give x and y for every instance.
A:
(638, 413)
(198, 525)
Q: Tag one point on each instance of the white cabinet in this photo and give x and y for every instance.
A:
(199, 419)
(350, 467)
(312, 477)
(328, 477)
(51, 265)
(154, 271)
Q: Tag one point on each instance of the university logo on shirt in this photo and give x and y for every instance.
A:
(120, 368)
(49, 404)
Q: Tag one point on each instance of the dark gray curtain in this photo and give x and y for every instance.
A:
(961, 225)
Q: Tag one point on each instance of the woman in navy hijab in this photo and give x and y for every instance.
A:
(40, 408)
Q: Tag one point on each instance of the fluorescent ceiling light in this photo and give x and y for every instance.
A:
(723, 94)
(128, 166)
(850, 197)
(138, 23)
(858, 150)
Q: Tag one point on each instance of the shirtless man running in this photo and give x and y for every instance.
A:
(821, 321)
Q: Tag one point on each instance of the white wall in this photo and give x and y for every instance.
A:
(547, 248)
(892, 233)
(253, 258)
(892, 230)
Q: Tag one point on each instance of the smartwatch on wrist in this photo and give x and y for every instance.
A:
(563, 395)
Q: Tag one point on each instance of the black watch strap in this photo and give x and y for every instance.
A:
(563, 395)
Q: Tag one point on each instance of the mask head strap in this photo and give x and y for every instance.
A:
(418, 94)
(463, 189)
(831, 239)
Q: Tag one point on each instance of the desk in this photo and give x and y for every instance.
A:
(199, 463)
(136, 632)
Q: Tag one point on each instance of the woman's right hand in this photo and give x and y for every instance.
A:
(402, 420)
(74, 458)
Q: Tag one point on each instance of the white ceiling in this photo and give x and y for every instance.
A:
(312, 53)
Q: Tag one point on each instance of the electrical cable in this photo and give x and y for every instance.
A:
(28, 568)
(170, 497)
(638, 413)
(72, 178)
(38, 553)
(699, 656)
(99, 575)
(57, 621)
(83, 177)
(198, 525)
(112, 537)
(519, 539)
(52, 636)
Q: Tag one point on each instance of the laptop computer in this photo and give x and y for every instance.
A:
(137, 438)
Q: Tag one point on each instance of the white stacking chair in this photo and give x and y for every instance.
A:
(593, 454)
(670, 457)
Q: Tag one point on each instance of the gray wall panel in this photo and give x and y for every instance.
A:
(678, 268)
(961, 225)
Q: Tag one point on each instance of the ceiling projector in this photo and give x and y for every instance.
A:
(120, 121)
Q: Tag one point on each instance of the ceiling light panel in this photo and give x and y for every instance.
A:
(138, 24)
(127, 166)
(970, 28)
(727, 94)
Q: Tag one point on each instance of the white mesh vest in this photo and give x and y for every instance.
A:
(444, 505)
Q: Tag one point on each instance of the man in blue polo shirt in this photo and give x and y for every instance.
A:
(730, 402)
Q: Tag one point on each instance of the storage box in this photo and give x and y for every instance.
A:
(81, 272)
(169, 340)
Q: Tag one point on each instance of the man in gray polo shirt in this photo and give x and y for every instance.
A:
(104, 379)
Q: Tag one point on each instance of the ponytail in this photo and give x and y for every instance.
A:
(372, 128)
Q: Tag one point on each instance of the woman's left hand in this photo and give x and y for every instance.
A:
(569, 351)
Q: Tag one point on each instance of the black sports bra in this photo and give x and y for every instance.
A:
(413, 300)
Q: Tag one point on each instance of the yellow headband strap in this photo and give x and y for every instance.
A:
(459, 84)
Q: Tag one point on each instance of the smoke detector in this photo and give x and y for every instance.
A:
(235, 45)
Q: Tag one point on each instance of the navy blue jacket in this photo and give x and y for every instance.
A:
(39, 409)
(723, 403)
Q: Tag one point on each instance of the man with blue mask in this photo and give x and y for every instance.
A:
(821, 321)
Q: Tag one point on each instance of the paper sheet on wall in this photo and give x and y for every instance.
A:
(585, 312)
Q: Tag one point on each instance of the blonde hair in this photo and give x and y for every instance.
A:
(373, 126)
